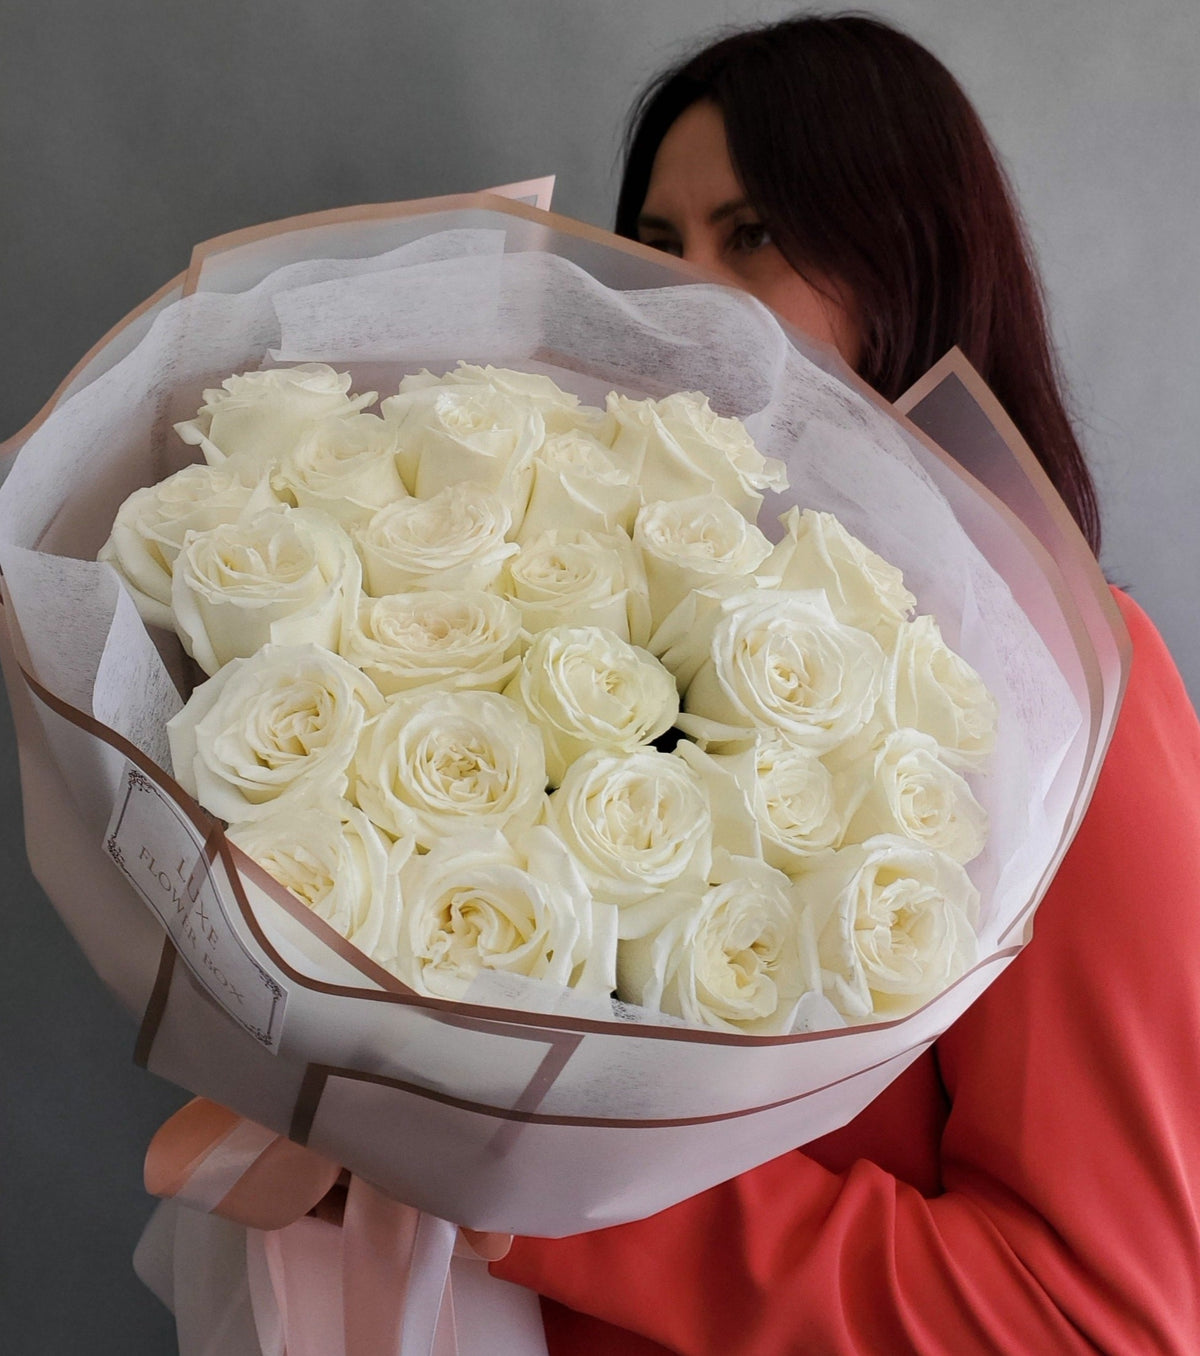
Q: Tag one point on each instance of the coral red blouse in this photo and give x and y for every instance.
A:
(1029, 1185)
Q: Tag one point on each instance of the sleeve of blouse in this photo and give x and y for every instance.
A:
(1069, 1219)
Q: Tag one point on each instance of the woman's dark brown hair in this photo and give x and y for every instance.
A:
(868, 165)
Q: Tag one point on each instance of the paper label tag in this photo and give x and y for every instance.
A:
(162, 855)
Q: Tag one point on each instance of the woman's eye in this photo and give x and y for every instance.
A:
(749, 236)
(665, 244)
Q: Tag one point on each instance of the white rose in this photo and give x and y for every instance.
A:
(447, 434)
(863, 589)
(332, 858)
(688, 544)
(151, 525)
(271, 732)
(737, 957)
(635, 823)
(682, 639)
(894, 924)
(560, 409)
(258, 416)
(287, 576)
(344, 467)
(580, 578)
(434, 759)
(770, 798)
(478, 902)
(454, 540)
(577, 485)
(782, 660)
(903, 787)
(679, 447)
(586, 688)
(930, 688)
(464, 639)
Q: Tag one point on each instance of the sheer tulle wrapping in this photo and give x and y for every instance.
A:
(518, 1112)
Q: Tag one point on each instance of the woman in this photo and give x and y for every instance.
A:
(1032, 1183)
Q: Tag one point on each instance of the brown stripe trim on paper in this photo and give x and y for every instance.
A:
(417, 207)
(308, 1099)
(554, 1061)
(502, 1020)
(955, 363)
(237, 864)
(157, 1006)
(538, 1022)
(1076, 556)
(563, 1045)
(317, 1076)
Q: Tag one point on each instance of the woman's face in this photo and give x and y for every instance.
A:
(696, 209)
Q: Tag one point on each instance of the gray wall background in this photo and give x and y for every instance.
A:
(130, 129)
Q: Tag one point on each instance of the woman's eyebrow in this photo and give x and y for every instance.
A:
(715, 217)
(726, 209)
(653, 223)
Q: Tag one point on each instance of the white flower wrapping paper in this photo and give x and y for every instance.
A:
(493, 1113)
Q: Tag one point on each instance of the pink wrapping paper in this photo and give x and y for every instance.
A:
(534, 1121)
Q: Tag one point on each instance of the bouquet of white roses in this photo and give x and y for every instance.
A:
(402, 654)
(526, 1107)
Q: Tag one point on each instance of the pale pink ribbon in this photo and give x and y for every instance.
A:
(227, 1161)
(377, 1286)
